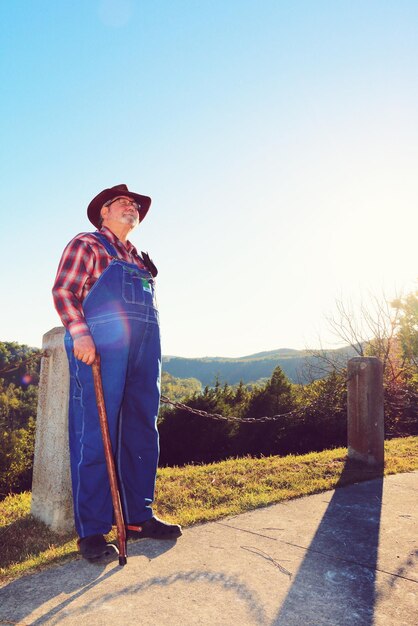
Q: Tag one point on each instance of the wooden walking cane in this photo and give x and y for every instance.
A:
(120, 524)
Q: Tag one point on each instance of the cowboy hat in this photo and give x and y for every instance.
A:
(95, 206)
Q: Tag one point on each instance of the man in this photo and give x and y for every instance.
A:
(104, 293)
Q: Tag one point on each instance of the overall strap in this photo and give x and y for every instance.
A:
(106, 243)
(112, 251)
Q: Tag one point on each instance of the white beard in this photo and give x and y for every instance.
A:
(130, 218)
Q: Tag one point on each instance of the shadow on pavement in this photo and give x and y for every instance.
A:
(22, 597)
(79, 577)
(335, 583)
(218, 580)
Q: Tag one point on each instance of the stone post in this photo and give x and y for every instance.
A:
(51, 485)
(365, 410)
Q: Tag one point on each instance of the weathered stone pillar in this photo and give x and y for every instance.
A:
(51, 486)
(365, 410)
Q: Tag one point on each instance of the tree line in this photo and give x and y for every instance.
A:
(312, 416)
(19, 377)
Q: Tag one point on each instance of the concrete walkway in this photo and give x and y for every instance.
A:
(347, 557)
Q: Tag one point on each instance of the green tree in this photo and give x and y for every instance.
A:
(18, 400)
(17, 405)
(19, 364)
(322, 421)
(178, 389)
(16, 458)
(274, 398)
(408, 328)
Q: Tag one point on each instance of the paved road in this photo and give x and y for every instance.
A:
(347, 557)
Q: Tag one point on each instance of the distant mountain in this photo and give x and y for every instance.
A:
(296, 364)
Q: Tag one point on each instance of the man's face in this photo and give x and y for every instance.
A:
(122, 210)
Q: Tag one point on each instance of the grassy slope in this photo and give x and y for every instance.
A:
(193, 494)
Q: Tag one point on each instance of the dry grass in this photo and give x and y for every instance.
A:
(195, 494)
(201, 493)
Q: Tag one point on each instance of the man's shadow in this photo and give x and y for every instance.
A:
(71, 579)
(335, 583)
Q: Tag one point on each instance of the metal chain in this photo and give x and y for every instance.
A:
(12, 367)
(298, 412)
(227, 418)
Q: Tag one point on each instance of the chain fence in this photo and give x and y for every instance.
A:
(13, 367)
(227, 418)
(297, 412)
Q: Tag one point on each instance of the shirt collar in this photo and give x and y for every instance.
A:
(113, 239)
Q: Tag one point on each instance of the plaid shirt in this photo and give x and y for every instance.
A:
(82, 262)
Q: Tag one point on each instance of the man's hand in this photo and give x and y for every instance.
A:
(84, 349)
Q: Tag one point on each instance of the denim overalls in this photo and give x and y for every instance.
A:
(123, 320)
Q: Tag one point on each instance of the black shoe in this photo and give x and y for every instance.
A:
(153, 528)
(94, 547)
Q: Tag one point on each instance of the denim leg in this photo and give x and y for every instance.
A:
(93, 509)
(138, 447)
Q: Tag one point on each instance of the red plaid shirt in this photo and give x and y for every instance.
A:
(82, 262)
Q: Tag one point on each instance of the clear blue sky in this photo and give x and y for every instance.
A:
(278, 140)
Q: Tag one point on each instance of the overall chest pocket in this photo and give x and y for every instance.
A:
(137, 289)
(134, 287)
